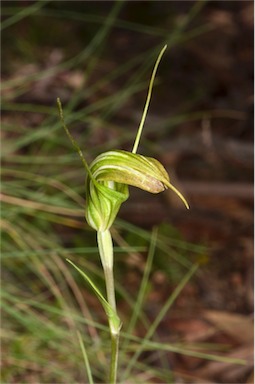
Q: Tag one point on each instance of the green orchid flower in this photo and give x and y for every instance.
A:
(107, 184)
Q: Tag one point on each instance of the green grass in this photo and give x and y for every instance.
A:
(44, 301)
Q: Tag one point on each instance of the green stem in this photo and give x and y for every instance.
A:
(114, 357)
(109, 282)
(105, 247)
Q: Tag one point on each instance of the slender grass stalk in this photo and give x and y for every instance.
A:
(144, 282)
(140, 129)
(85, 357)
(159, 318)
(25, 11)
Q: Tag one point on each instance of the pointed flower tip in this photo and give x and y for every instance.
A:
(178, 193)
(183, 200)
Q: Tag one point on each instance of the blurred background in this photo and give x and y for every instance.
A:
(98, 58)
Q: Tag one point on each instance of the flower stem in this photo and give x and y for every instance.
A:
(109, 282)
(105, 247)
(114, 357)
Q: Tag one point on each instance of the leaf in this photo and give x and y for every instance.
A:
(113, 318)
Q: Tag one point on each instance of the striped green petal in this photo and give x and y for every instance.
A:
(107, 184)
